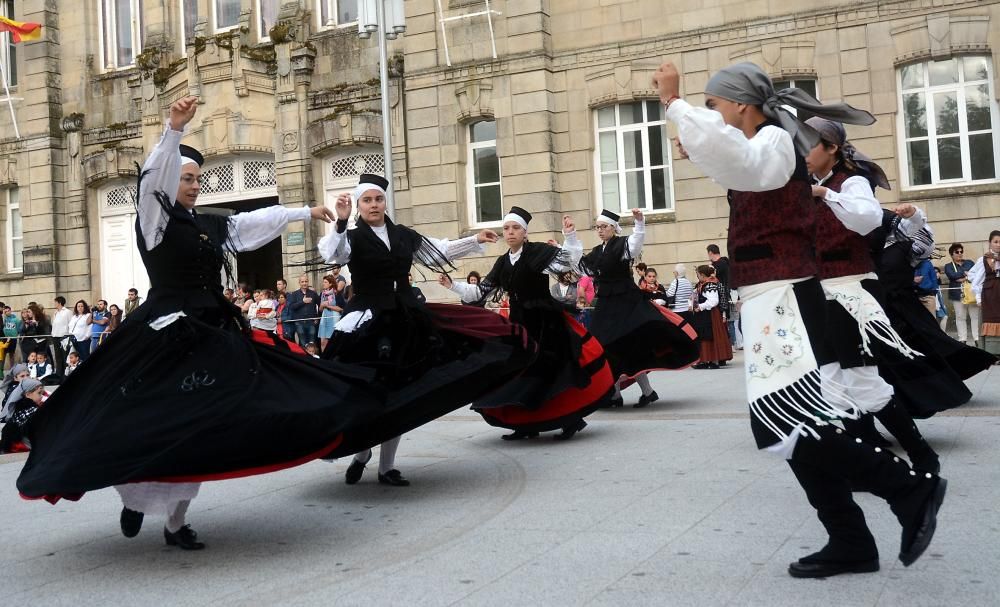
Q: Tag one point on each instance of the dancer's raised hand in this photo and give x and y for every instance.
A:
(637, 214)
(343, 206)
(182, 111)
(568, 225)
(487, 236)
(445, 281)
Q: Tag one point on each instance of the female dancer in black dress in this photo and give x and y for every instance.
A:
(638, 336)
(934, 381)
(570, 378)
(432, 358)
(184, 391)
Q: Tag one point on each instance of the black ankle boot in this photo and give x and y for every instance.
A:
(897, 420)
(913, 497)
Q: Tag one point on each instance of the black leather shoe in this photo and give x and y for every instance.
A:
(568, 431)
(616, 403)
(646, 400)
(185, 538)
(700, 366)
(394, 478)
(920, 537)
(713, 365)
(519, 435)
(815, 569)
(131, 522)
(354, 472)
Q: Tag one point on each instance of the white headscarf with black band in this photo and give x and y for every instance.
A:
(747, 83)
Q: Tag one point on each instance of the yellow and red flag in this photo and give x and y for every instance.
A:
(19, 30)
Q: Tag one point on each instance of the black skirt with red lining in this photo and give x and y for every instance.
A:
(557, 389)
(639, 336)
(192, 401)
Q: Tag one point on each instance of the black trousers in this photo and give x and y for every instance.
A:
(831, 468)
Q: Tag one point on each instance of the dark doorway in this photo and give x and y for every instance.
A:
(259, 269)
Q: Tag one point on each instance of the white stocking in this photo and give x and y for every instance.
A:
(387, 455)
(643, 381)
(363, 457)
(175, 520)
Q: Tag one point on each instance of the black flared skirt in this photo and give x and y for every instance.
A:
(431, 359)
(192, 401)
(933, 382)
(570, 379)
(640, 336)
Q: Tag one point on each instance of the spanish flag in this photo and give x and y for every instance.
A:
(21, 31)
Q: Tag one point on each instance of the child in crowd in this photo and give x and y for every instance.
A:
(582, 310)
(25, 401)
(14, 377)
(32, 362)
(72, 362)
(312, 349)
(43, 368)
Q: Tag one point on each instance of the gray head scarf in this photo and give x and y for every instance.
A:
(27, 385)
(834, 133)
(9, 378)
(747, 83)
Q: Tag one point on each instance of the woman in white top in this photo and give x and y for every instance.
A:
(79, 329)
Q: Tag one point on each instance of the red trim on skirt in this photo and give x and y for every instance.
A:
(569, 404)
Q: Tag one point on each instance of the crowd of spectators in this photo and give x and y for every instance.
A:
(50, 336)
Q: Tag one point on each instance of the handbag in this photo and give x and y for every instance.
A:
(968, 297)
(672, 299)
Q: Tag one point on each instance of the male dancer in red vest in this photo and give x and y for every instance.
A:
(747, 141)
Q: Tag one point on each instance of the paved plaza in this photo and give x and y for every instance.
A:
(670, 505)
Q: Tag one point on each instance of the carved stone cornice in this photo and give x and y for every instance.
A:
(344, 94)
(111, 163)
(112, 133)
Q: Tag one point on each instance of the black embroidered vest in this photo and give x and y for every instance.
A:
(611, 271)
(771, 234)
(840, 252)
(378, 274)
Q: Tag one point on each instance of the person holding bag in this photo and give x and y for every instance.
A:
(960, 293)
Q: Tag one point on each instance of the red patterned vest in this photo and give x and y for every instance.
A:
(771, 234)
(840, 251)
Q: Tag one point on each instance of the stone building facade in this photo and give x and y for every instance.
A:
(544, 104)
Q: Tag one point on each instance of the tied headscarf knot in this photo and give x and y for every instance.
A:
(747, 83)
(835, 134)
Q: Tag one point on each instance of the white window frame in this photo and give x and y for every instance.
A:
(182, 13)
(793, 84)
(107, 27)
(470, 177)
(215, 19)
(263, 36)
(963, 131)
(6, 44)
(13, 204)
(332, 10)
(619, 129)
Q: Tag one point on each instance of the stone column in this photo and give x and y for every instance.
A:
(296, 60)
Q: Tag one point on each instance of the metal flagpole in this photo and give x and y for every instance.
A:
(383, 61)
(10, 102)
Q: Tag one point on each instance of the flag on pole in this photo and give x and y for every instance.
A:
(19, 30)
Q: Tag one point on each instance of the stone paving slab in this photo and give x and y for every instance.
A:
(670, 505)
